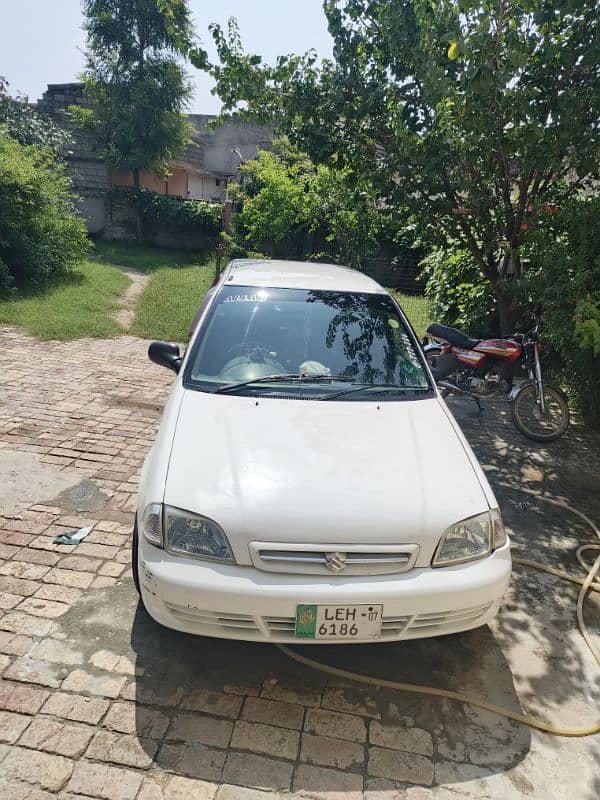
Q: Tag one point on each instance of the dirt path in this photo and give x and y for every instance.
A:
(125, 314)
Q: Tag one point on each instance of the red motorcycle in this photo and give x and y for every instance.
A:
(487, 368)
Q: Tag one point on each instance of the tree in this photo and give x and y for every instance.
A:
(292, 207)
(19, 121)
(135, 81)
(474, 120)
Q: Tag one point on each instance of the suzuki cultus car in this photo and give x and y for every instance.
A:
(308, 482)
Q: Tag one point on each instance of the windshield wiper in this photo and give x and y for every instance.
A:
(366, 386)
(294, 376)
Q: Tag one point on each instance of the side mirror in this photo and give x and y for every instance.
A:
(165, 354)
(445, 365)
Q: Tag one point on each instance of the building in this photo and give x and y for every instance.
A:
(202, 172)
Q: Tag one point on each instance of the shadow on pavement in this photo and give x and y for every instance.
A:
(178, 674)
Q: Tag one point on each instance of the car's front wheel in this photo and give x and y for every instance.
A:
(135, 547)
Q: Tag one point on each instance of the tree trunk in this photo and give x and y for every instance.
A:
(508, 309)
(138, 213)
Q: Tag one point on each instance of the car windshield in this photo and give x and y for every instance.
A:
(317, 342)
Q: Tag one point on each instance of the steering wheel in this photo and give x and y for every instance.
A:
(248, 348)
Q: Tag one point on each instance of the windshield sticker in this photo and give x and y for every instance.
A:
(246, 298)
(393, 323)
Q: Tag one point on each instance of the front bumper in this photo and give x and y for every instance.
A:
(233, 602)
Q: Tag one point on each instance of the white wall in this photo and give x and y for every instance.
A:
(204, 187)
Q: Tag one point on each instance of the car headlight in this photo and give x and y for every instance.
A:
(195, 535)
(151, 524)
(470, 539)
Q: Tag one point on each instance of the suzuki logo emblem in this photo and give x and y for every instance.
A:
(336, 562)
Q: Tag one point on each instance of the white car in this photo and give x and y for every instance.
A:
(308, 482)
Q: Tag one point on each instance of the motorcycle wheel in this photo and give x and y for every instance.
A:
(529, 420)
(431, 356)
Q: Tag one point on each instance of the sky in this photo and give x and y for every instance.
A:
(41, 41)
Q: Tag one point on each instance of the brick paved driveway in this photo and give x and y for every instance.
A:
(97, 701)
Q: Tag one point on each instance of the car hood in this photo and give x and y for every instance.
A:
(306, 471)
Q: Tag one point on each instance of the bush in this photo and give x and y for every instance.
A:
(564, 276)
(176, 213)
(459, 293)
(40, 237)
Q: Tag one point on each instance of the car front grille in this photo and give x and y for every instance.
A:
(445, 622)
(310, 559)
(217, 622)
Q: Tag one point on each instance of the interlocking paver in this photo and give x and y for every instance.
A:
(123, 749)
(29, 670)
(18, 586)
(77, 709)
(68, 577)
(257, 771)
(413, 740)
(84, 407)
(211, 702)
(328, 752)
(39, 607)
(273, 712)
(104, 684)
(48, 771)
(327, 784)
(265, 739)
(193, 760)
(199, 728)
(104, 781)
(19, 622)
(303, 695)
(400, 766)
(347, 701)
(132, 718)
(175, 787)
(52, 736)
(23, 699)
(339, 726)
(12, 726)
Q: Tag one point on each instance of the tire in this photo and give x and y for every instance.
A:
(431, 355)
(432, 352)
(135, 567)
(528, 420)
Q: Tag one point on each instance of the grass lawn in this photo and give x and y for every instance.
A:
(178, 280)
(143, 258)
(168, 304)
(71, 310)
(416, 308)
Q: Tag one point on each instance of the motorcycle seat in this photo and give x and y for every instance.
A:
(453, 335)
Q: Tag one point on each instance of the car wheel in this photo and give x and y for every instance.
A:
(135, 546)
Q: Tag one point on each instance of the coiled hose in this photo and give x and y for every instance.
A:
(589, 583)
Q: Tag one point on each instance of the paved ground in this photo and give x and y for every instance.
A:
(99, 702)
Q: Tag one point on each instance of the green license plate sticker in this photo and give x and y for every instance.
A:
(306, 622)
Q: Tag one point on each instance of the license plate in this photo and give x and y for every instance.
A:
(338, 622)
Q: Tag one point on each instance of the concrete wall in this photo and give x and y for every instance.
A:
(209, 159)
(206, 187)
(219, 143)
(175, 185)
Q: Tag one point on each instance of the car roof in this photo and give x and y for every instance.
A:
(274, 273)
